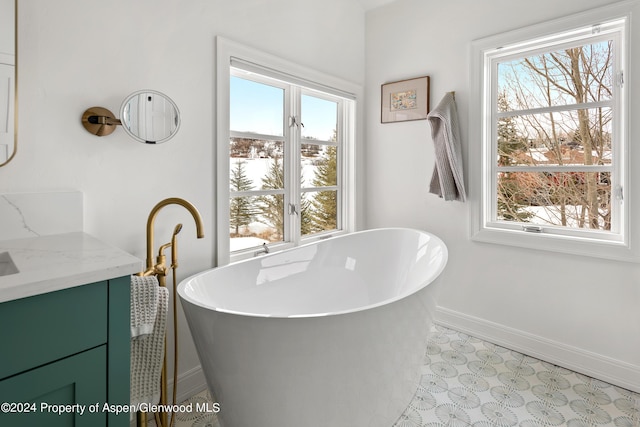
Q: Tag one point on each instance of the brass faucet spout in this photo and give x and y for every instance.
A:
(154, 212)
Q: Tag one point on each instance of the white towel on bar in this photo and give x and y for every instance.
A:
(147, 356)
(447, 180)
(144, 305)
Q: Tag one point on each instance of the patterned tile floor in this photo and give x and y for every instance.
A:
(469, 382)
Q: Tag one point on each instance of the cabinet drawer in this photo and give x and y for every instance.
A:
(48, 327)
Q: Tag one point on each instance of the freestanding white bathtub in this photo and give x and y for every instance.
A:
(327, 334)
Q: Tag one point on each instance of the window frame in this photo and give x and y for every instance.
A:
(485, 227)
(228, 53)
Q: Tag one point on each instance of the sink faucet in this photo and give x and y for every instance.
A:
(152, 216)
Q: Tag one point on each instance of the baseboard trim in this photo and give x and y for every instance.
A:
(604, 368)
(190, 383)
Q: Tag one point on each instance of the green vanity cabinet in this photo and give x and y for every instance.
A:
(68, 347)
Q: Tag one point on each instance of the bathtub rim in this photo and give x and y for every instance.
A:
(184, 297)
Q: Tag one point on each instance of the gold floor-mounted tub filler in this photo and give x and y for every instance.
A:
(160, 270)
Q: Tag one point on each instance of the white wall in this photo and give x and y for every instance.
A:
(577, 311)
(74, 55)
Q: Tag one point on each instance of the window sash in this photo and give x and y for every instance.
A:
(485, 226)
(287, 78)
(582, 37)
(352, 131)
(293, 141)
(562, 39)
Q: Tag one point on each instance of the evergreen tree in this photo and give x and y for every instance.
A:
(509, 142)
(306, 226)
(272, 205)
(323, 212)
(509, 145)
(241, 209)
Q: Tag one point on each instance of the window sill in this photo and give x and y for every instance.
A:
(280, 247)
(612, 250)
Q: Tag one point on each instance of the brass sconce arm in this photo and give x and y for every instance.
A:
(103, 120)
(99, 121)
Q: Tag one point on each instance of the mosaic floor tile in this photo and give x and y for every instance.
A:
(467, 382)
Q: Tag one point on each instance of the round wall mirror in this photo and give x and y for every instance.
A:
(150, 117)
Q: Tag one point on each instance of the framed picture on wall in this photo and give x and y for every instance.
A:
(405, 100)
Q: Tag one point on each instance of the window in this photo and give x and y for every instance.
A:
(286, 171)
(552, 171)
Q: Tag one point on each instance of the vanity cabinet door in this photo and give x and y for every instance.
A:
(78, 381)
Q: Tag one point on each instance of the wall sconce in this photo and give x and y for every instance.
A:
(147, 116)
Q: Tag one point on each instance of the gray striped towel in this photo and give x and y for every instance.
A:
(447, 180)
(144, 305)
(147, 351)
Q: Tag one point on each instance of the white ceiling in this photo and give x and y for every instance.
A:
(372, 4)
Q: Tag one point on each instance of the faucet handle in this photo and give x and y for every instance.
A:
(264, 250)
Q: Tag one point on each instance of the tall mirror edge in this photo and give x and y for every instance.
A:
(9, 73)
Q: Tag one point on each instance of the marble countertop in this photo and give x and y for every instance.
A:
(60, 261)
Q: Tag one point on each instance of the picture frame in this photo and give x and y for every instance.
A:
(405, 100)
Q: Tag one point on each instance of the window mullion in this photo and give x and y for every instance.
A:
(255, 135)
(491, 196)
(554, 109)
(341, 179)
(618, 175)
(292, 175)
(556, 168)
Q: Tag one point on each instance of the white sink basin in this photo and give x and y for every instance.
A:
(7, 265)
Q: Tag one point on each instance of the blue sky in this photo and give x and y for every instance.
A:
(258, 108)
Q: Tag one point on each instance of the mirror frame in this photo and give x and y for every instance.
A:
(15, 85)
(125, 125)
